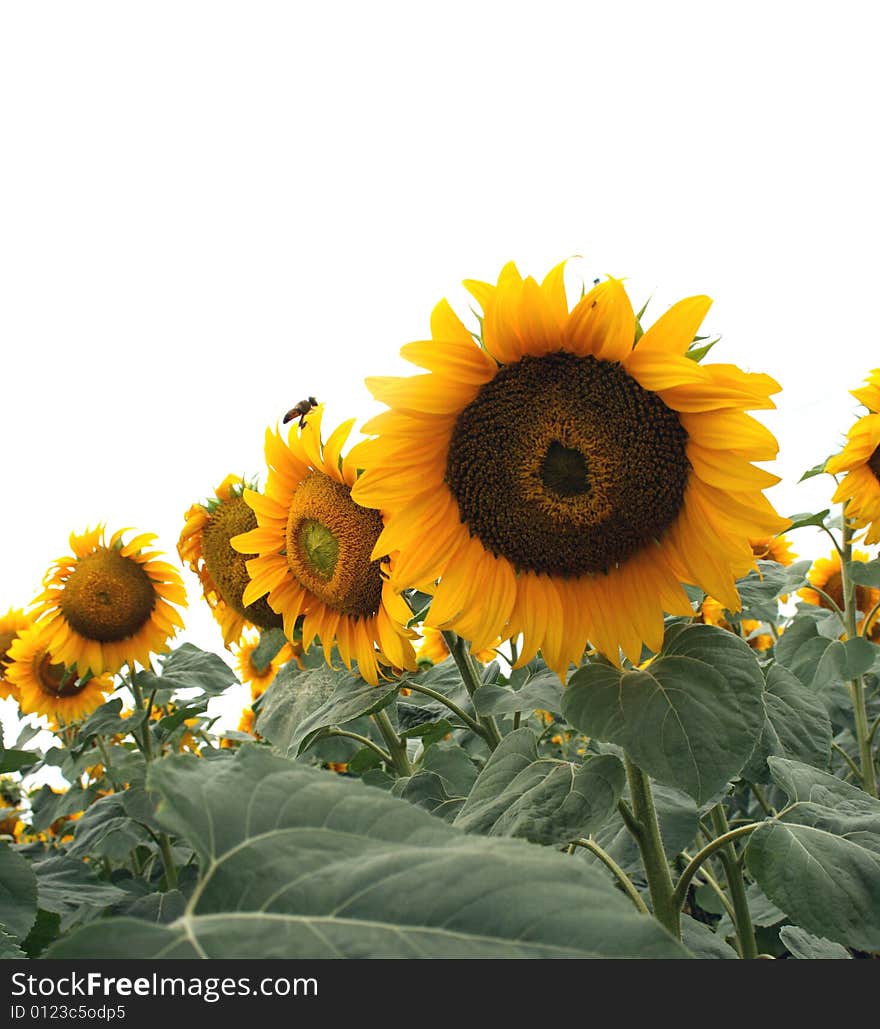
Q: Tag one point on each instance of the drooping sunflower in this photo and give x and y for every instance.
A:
(14, 622)
(204, 547)
(47, 686)
(313, 545)
(825, 575)
(860, 459)
(109, 604)
(261, 679)
(562, 478)
(774, 548)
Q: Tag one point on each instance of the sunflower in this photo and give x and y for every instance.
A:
(559, 479)
(825, 575)
(261, 678)
(313, 547)
(773, 548)
(14, 622)
(204, 547)
(713, 613)
(860, 459)
(109, 604)
(47, 686)
(434, 650)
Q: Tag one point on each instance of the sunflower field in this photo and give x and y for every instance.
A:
(534, 668)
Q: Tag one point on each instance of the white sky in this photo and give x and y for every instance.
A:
(210, 210)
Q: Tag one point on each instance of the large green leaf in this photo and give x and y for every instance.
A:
(541, 690)
(65, 885)
(804, 945)
(190, 668)
(797, 726)
(519, 793)
(299, 863)
(108, 830)
(301, 706)
(820, 861)
(691, 719)
(18, 893)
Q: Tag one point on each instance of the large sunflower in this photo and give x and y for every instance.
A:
(825, 575)
(109, 604)
(314, 552)
(562, 480)
(14, 622)
(860, 459)
(46, 686)
(204, 546)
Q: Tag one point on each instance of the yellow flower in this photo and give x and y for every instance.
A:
(314, 545)
(561, 480)
(261, 679)
(860, 459)
(47, 687)
(14, 622)
(713, 613)
(825, 575)
(204, 547)
(773, 548)
(109, 604)
(434, 648)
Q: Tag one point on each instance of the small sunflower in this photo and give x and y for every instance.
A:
(774, 548)
(713, 613)
(109, 604)
(434, 649)
(313, 546)
(47, 686)
(560, 477)
(261, 678)
(14, 622)
(204, 547)
(860, 459)
(825, 575)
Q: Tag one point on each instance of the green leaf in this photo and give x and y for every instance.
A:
(46, 929)
(801, 521)
(690, 719)
(697, 353)
(189, 668)
(15, 760)
(345, 870)
(161, 908)
(764, 913)
(702, 942)
(64, 885)
(9, 948)
(820, 861)
(817, 469)
(797, 726)
(107, 830)
(429, 791)
(428, 732)
(301, 706)
(772, 580)
(802, 944)
(865, 573)
(18, 893)
(543, 692)
(271, 642)
(47, 806)
(540, 799)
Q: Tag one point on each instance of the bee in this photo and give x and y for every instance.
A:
(300, 410)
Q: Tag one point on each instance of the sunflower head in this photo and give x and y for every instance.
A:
(109, 603)
(204, 546)
(773, 548)
(825, 575)
(14, 622)
(47, 686)
(859, 489)
(261, 679)
(561, 476)
(314, 552)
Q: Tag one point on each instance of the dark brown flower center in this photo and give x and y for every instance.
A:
(108, 597)
(566, 465)
(227, 567)
(54, 679)
(874, 463)
(329, 541)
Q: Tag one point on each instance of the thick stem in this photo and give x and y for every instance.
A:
(473, 725)
(364, 741)
(651, 847)
(396, 746)
(460, 652)
(168, 862)
(856, 686)
(745, 931)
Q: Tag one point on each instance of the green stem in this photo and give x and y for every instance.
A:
(762, 800)
(716, 888)
(616, 870)
(473, 725)
(396, 746)
(684, 882)
(651, 847)
(168, 862)
(460, 652)
(365, 741)
(146, 741)
(856, 686)
(854, 768)
(745, 931)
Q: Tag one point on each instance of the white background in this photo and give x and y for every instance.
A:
(210, 210)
